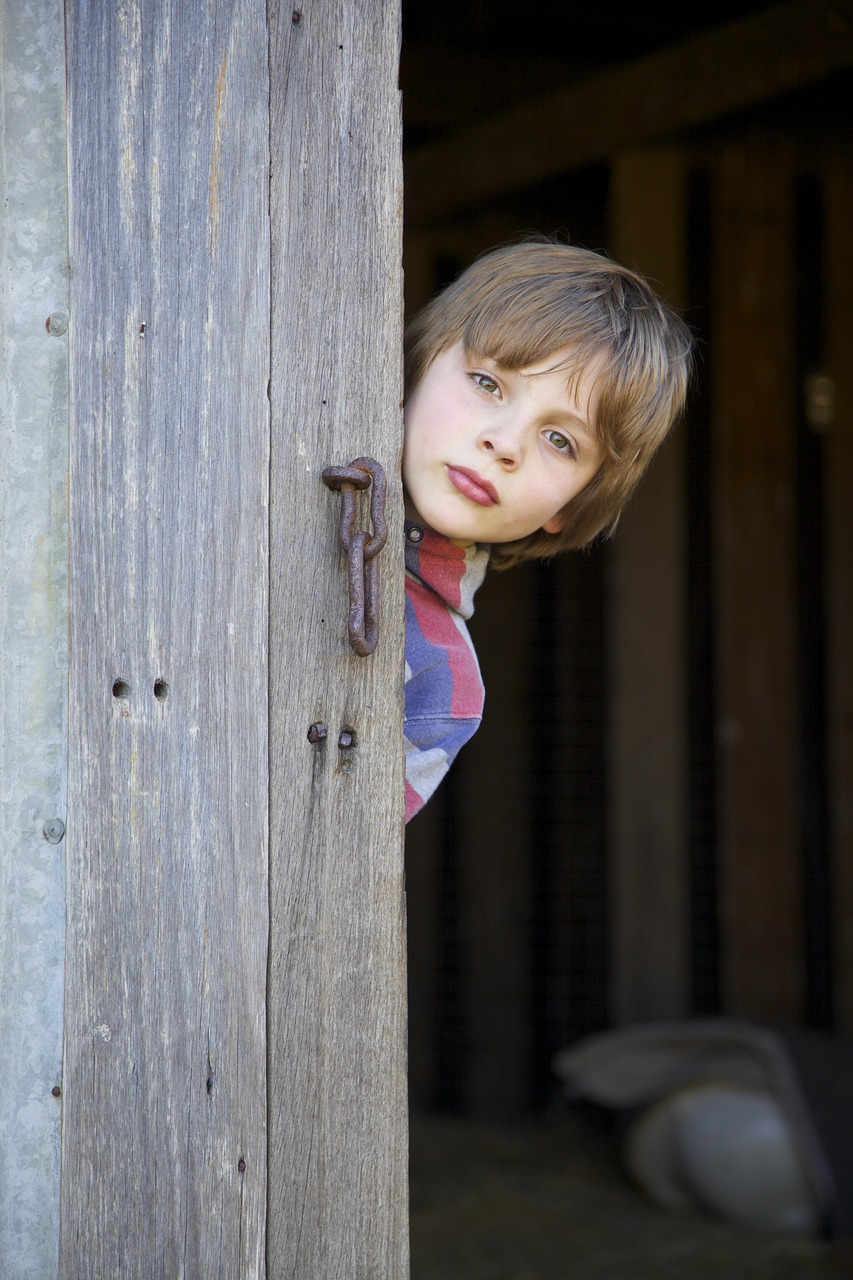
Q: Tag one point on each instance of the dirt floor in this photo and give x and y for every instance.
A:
(549, 1201)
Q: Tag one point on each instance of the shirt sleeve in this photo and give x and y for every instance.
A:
(431, 747)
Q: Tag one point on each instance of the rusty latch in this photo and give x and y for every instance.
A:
(361, 548)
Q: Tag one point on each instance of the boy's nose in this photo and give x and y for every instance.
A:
(505, 446)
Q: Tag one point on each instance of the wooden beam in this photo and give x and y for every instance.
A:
(839, 552)
(473, 82)
(694, 82)
(648, 868)
(755, 594)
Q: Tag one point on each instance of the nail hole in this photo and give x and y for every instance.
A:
(161, 690)
(241, 1165)
(121, 689)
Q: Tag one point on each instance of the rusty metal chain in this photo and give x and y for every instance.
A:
(361, 548)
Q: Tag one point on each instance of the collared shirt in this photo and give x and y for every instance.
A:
(444, 689)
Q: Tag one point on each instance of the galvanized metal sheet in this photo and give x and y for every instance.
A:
(33, 626)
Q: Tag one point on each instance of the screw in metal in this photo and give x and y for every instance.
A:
(57, 324)
(56, 1091)
(54, 830)
(318, 732)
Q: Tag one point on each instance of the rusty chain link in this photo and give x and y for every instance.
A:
(361, 548)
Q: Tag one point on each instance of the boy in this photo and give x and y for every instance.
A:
(538, 387)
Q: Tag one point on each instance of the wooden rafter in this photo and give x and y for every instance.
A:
(694, 82)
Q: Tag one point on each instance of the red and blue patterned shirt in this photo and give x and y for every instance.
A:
(444, 690)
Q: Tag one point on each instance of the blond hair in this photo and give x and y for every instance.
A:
(520, 304)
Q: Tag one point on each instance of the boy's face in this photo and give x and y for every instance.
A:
(491, 454)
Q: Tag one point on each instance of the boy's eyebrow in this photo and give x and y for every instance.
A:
(585, 420)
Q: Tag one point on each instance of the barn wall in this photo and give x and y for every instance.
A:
(33, 627)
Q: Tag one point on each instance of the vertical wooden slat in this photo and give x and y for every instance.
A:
(425, 935)
(493, 813)
(574, 883)
(337, 1029)
(163, 1171)
(839, 552)
(647, 795)
(755, 619)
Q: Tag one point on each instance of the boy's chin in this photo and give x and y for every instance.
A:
(467, 536)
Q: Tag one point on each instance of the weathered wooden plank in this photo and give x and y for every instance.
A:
(755, 619)
(839, 551)
(164, 1165)
(647, 798)
(694, 82)
(337, 1029)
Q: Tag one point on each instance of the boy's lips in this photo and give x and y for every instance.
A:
(472, 485)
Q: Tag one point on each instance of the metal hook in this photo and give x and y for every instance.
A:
(361, 548)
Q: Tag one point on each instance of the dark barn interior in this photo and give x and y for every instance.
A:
(655, 821)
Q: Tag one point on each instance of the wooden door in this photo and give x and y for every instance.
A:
(337, 1121)
(233, 1085)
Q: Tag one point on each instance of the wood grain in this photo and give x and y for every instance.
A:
(337, 1029)
(163, 1163)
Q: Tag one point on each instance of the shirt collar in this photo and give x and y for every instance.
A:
(454, 573)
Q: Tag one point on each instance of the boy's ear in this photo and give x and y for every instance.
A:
(555, 524)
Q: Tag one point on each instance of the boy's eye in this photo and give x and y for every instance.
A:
(485, 383)
(558, 441)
